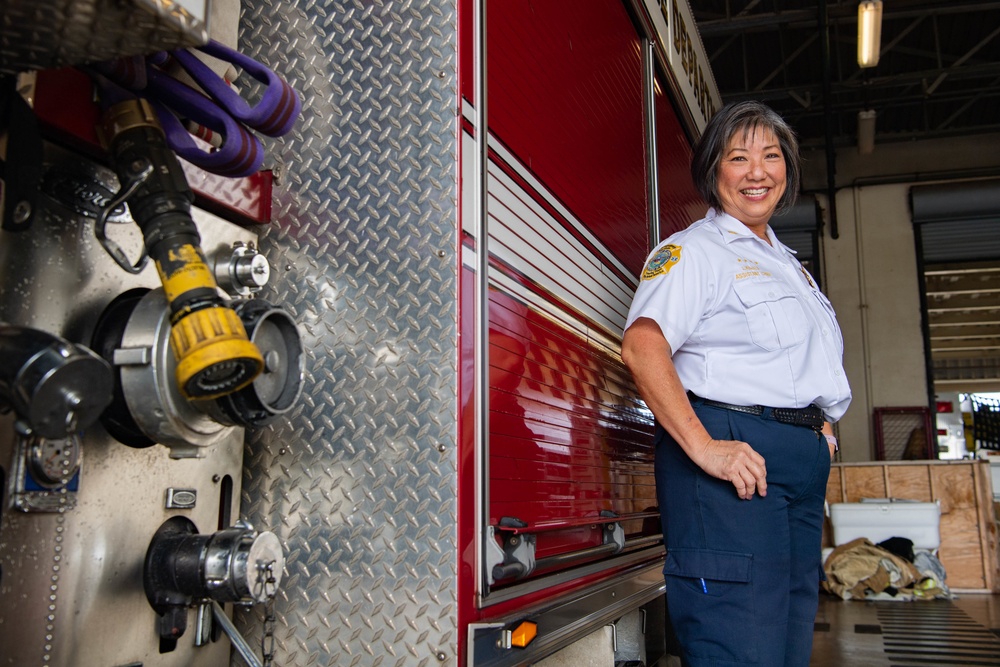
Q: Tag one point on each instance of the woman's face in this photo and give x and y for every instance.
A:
(751, 178)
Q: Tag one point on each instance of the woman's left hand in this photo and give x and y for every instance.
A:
(831, 440)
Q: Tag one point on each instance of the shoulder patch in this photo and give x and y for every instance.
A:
(661, 263)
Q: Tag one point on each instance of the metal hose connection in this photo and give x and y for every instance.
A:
(214, 355)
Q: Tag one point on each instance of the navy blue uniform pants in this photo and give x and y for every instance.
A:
(742, 576)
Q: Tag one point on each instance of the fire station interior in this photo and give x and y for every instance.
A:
(251, 410)
(901, 220)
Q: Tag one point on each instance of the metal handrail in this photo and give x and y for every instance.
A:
(549, 526)
(510, 570)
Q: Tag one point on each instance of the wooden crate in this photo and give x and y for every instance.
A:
(969, 548)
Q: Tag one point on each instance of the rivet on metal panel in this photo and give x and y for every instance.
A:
(442, 447)
(441, 656)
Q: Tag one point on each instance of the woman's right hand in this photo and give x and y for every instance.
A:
(647, 354)
(736, 462)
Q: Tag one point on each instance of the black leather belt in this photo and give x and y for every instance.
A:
(810, 417)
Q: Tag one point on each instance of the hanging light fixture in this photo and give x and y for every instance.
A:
(866, 131)
(869, 32)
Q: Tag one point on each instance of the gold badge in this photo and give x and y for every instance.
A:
(662, 261)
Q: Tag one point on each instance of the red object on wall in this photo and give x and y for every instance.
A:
(904, 434)
(945, 407)
(65, 106)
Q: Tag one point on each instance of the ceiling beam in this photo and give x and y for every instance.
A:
(807, 18)
(958, 63)
(877, 84)
(806, 43)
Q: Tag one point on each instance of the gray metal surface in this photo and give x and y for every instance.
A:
(39, 34)
(567, 620)
(359, 480)
(71, 592)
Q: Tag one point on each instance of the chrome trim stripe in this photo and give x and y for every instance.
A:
(533, 242)
(649, 106)
(482, 301)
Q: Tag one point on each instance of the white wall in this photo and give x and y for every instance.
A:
(870, 270)
(871, 278)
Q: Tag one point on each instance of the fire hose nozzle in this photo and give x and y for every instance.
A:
(214, 355)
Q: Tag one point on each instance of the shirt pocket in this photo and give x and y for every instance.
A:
(774, 315)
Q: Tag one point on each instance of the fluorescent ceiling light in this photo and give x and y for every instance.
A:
(869, 32)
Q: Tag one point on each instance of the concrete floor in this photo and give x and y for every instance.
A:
(964, 631)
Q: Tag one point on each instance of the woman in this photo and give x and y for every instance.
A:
(739, 357)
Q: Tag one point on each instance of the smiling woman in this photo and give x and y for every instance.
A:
(752, 178)
(748, 147)
(738, 355)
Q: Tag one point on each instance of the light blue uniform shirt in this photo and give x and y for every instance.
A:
(745, 321)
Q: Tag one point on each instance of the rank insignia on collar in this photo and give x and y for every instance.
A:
(806, 274)
(662, 261)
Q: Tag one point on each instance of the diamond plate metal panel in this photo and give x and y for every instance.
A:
(359, 481)
(38, 34)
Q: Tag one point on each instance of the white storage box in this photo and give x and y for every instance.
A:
(882, 518)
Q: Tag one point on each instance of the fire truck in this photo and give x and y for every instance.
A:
(301, 365)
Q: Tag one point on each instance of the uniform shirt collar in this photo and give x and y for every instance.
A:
(732, 229)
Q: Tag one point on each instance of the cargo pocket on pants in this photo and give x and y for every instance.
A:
(711, 603)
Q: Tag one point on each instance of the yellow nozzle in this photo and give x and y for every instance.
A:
(214, 355)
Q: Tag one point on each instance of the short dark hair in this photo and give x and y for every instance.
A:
(746, 117)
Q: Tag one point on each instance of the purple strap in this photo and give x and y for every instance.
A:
(276, 111)
(241, 153)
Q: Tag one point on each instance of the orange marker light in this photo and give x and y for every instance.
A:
(523, 634)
